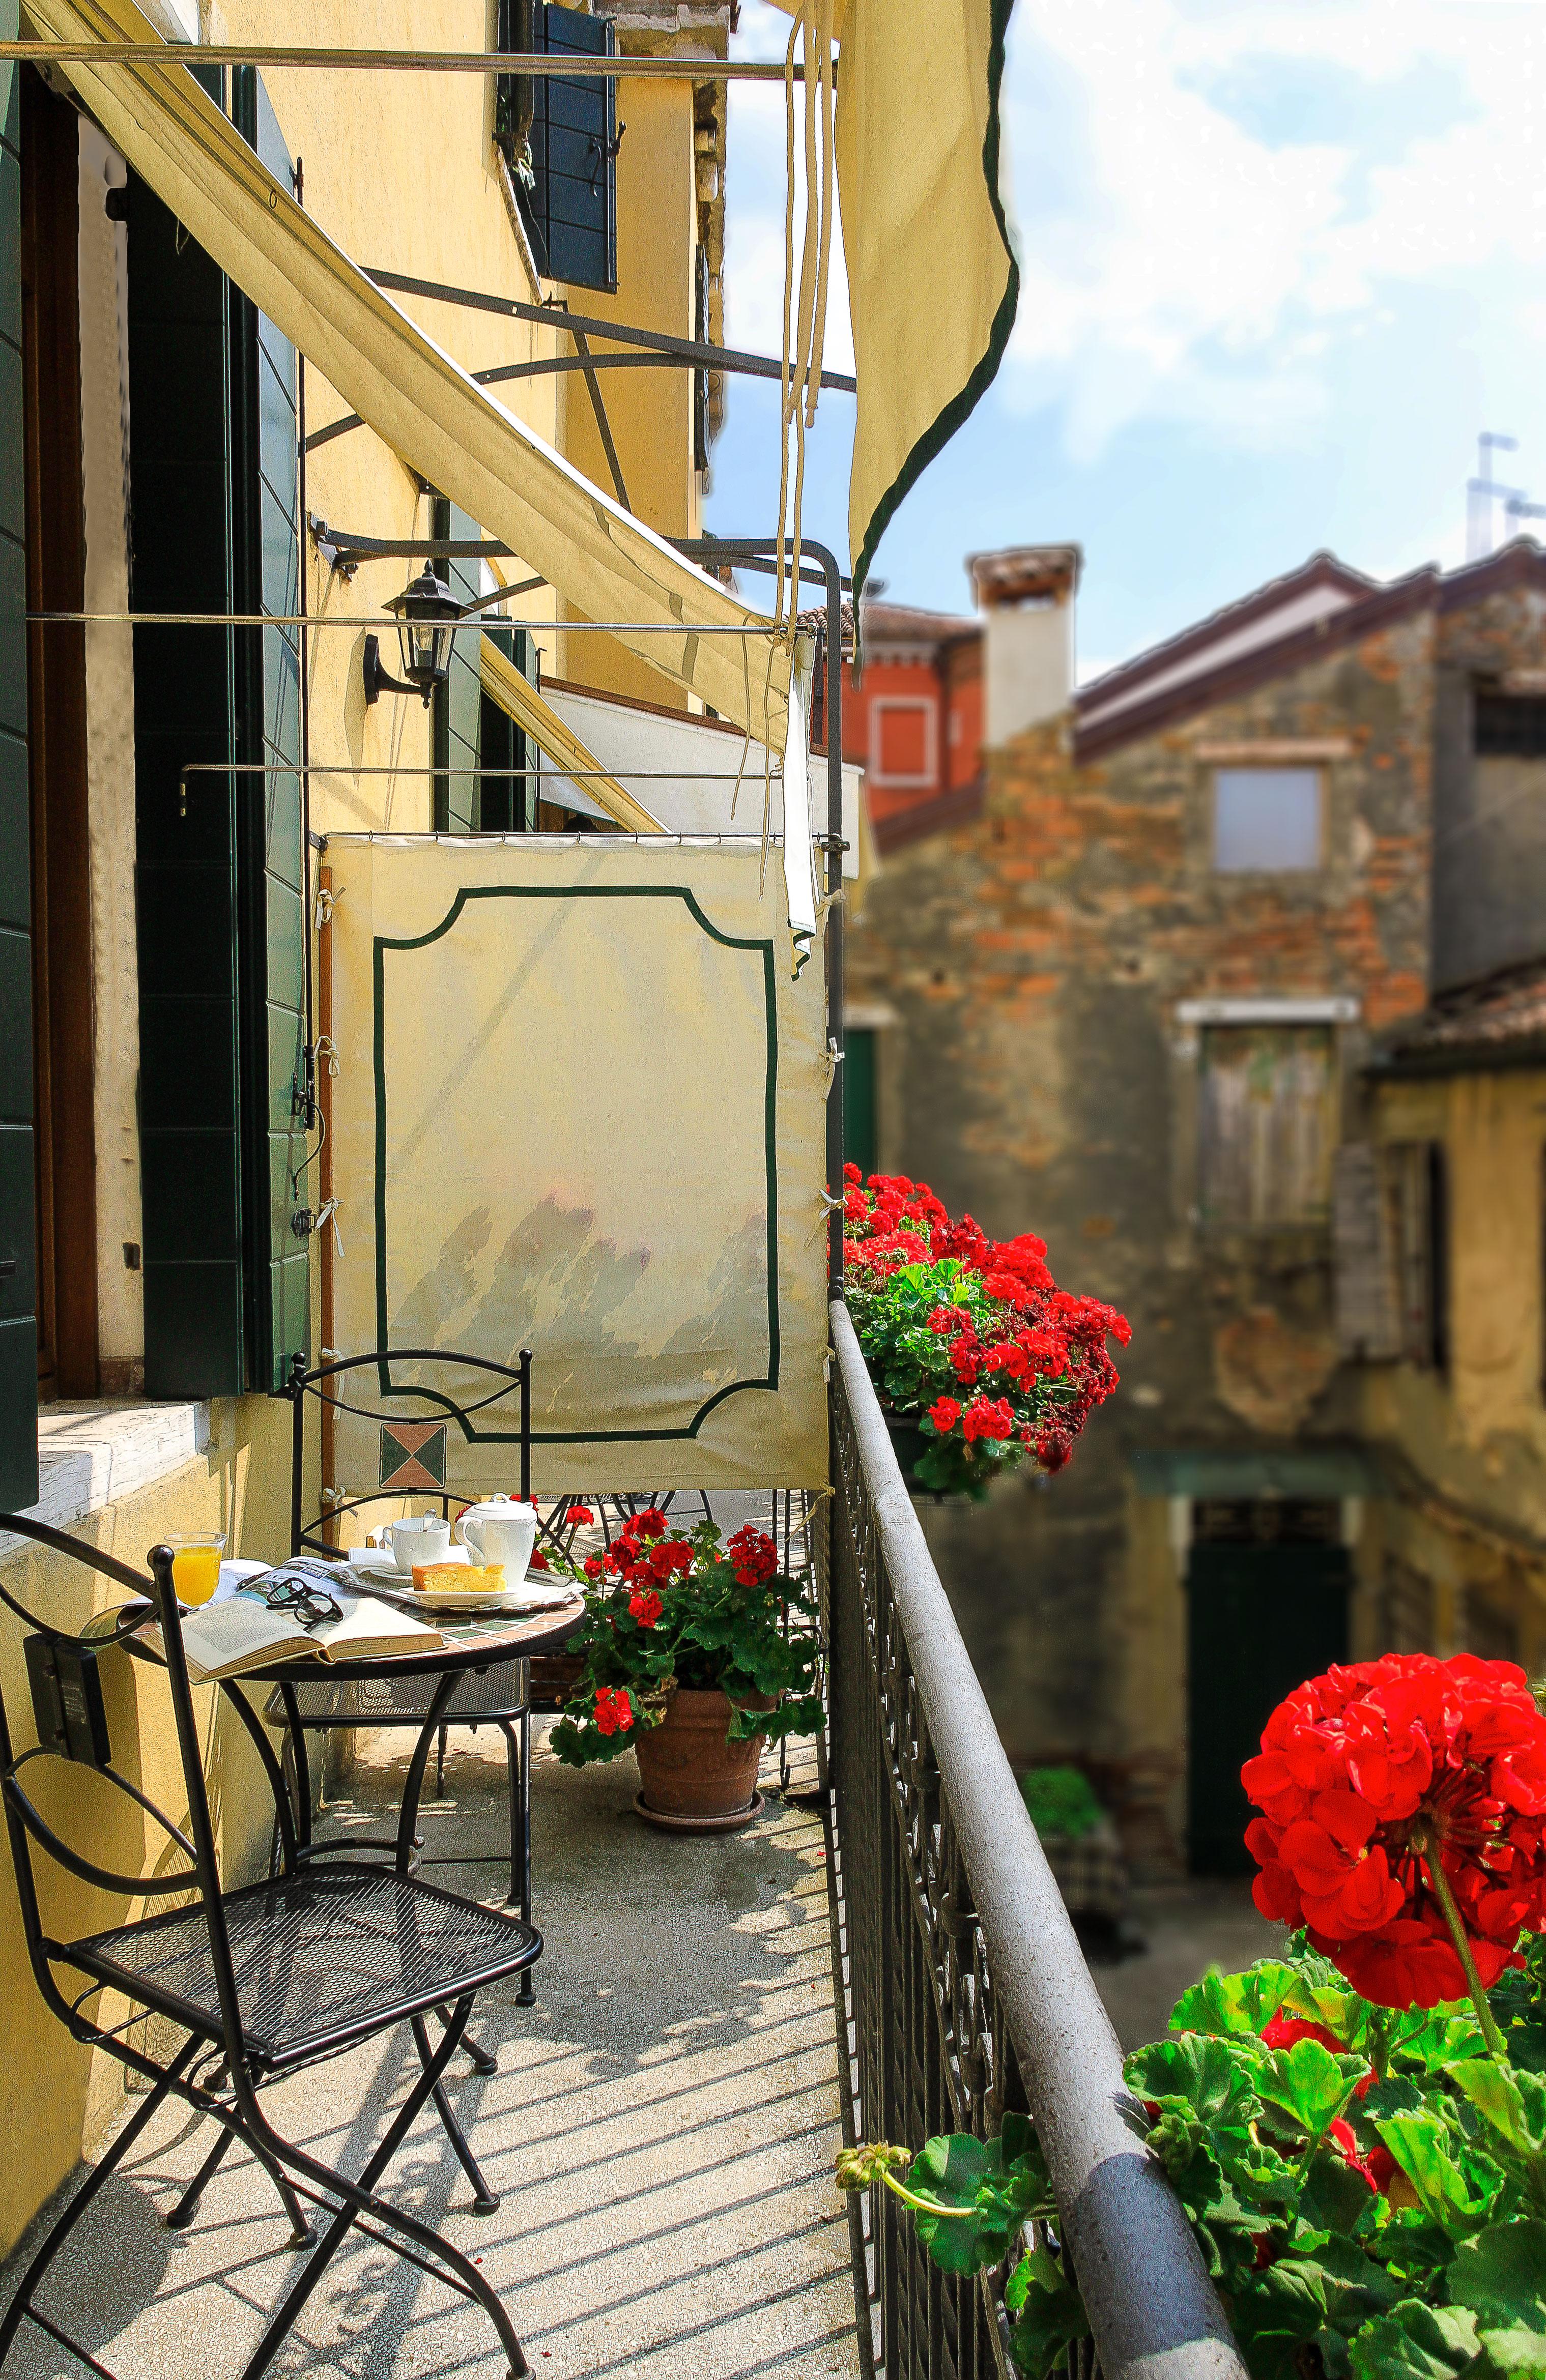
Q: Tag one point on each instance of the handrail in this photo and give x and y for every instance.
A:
(1144, 2284)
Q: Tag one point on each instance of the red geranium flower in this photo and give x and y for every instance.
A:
(944, 1413)
(1284, 2030)
(613, 1712)
(1388, 1787)
(647, 1524)
(581, 1516)
(538, 1560)
(987, 1418)
(645, 1606)
(594, 1567)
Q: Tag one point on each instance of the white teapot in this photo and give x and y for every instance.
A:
(500, 1529)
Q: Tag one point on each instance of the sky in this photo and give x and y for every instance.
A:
(1282, 261)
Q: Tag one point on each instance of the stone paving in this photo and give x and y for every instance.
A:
(660, 2129)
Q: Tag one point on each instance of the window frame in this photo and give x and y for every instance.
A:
(883, 703)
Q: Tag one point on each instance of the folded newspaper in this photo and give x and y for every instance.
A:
(241, 1634)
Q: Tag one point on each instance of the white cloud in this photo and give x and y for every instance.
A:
(1208, 190)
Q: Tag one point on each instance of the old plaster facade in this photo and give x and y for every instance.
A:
(1129, 1004)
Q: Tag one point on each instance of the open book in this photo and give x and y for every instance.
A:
(239, 1634)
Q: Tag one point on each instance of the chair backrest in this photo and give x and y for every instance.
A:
(325, 1383)
(69, 1708)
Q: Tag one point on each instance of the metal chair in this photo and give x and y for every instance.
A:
(496, 1696)
(261, 1980)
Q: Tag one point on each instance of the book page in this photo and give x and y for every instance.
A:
(370, 1626)
(223, 1640)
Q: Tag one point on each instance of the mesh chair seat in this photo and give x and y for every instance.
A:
(499, 1692)
(321, 1955)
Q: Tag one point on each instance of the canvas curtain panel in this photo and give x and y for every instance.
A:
(608, 564)
(581, 1107)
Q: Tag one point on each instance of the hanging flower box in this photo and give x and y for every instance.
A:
(979, 1359)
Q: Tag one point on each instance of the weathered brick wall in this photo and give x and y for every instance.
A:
(1034, 959)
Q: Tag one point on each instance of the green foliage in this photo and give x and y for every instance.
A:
(754, 1640)
(1061, 1802)
(1440, 2273)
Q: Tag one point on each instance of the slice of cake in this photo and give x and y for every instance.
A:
(459, 1582)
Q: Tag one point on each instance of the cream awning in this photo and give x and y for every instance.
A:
(933, 280)
(606, 564)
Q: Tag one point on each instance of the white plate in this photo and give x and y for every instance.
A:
(510, 1599)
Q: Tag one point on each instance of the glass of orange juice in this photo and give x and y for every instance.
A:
(196, 1565)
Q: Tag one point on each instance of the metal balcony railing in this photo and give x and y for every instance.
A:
(966, 1990)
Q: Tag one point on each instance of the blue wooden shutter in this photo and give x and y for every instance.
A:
(18, 1333)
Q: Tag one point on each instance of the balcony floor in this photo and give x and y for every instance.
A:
(662, 2130)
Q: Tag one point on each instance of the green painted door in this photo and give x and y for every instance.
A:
(860, 1139)
(1260, 1619)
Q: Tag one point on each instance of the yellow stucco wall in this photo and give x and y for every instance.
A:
(1471, 1446)
(401, 170)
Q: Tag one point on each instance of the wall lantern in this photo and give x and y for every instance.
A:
(427, 611)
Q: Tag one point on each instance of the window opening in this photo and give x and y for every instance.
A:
(1267, 820)
(1268, 1124)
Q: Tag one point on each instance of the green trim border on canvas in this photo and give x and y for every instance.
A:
(382, 943)
(946, 422)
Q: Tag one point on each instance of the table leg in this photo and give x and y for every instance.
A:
(302, 1772)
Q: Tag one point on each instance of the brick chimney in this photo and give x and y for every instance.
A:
(1026, 595)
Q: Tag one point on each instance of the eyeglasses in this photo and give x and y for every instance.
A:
(310, 1604)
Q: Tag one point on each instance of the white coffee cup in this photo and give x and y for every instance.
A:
(426, 1540)
(500, 1531)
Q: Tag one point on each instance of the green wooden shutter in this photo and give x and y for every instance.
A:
(220, 874)
(571, 202)
(271, 867)
(179, 443)
(19, 1330)
(470, 731)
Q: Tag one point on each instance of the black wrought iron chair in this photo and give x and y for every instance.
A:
(498, 1695)
(260, 1981)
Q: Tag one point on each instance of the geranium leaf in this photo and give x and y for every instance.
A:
(1241, 2003)
(1049, 2314)
(1334, 2196)
(1458, 2190)
(1309, 2083)
(1210, 2074)
(1513, 2106)
(1415, 2342)
(1501, 2274)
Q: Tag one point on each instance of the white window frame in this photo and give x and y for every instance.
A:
(931, 709)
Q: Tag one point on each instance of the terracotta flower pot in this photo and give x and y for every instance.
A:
(690, 1772)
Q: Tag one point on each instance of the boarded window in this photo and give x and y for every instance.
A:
(1268, 1124)
(1420, 1188)
(1491, 1632)
(1266, 819)
(1365, 1249)
(1406, 1608)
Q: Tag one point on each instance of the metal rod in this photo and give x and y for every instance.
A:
(310, 1087)
(558, 318)
(553, 775)
(566, 65)
(371, 620)
(598, 407)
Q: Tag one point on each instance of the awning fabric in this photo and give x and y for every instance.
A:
(933, 280)
(579, 1108)
(503, 684)
(606, 564)
(700, 776)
